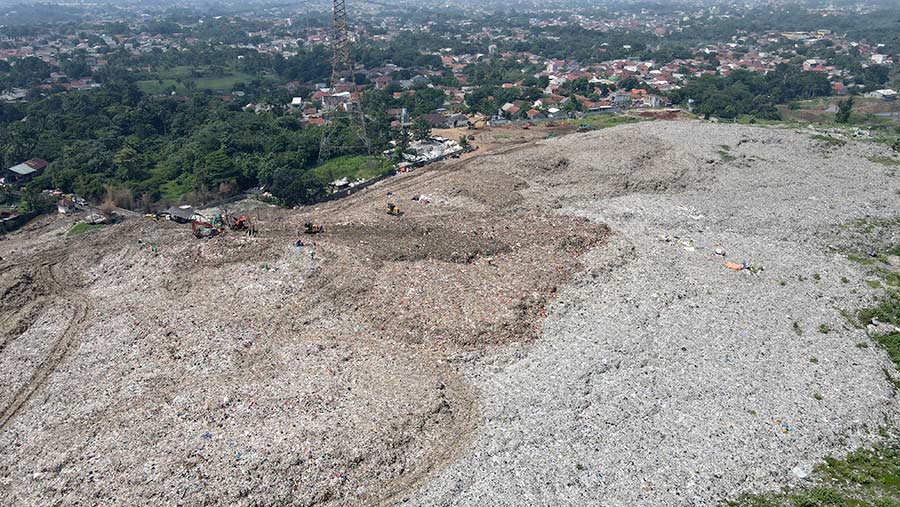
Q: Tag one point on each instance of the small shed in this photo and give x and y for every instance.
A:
(181, 214)
(26, 170)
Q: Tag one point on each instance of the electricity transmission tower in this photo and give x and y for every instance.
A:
(345, 123)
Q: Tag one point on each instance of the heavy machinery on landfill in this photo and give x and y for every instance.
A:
(313, 228)
(393, 209)
(203, 229)
(237, 223)
(207, 228)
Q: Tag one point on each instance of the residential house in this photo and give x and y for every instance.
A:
(885, 94)
(437, 121)
(534, 114)
(382, 82)
(25, 171)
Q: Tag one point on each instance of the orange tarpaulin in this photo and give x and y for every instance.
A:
(734, 265)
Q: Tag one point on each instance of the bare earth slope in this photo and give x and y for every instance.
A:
(142, 366)
(499, 345)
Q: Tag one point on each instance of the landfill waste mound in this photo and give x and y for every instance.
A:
(599, 318)
(142, 366)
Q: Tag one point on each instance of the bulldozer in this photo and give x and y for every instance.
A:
(313, 228)
(393, 209)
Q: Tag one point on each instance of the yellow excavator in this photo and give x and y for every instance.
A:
(393, 209)
(313, 228)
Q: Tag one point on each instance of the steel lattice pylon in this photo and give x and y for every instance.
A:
(340, 43)
(339, 117)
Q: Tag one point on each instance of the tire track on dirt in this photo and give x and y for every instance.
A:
(66, 342)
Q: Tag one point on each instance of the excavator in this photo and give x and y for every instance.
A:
(313, 228)
(203, 229)
(237, 223)
(393, 209)
(207, 228)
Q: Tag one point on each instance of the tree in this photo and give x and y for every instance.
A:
(421, 129)
(844, 109)
(629, 83)
(296, 186)
(580, 85)
(126, 161)
(218, 167)
(33, 200)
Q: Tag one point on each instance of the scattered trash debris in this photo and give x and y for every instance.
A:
(720, 251)
(785, 427)
(801, 471)
(95, 218)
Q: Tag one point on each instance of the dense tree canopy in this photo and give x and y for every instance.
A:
(158, 148)
(751, 93)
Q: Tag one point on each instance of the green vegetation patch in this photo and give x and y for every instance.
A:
(82, 228)
(868, 241)
(888, 311)
(604, 121)
(182, 79)
(831, 141)
(352, 167)
(864, 478)
(883, 160)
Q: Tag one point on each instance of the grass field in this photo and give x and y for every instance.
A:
(202, 78)
(351, 167)
(602, 121)
(865, 111)
(83, 227)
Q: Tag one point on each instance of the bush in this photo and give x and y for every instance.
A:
(844, 109)
(33, 200)
(118, 197)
